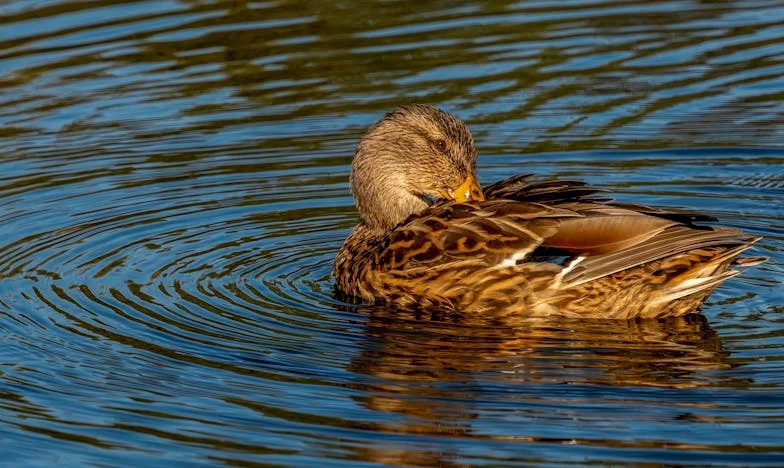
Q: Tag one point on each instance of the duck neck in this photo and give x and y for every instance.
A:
(383, 196)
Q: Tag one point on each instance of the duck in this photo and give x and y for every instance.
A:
(430, 237)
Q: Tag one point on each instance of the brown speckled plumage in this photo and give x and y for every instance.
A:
(539, 249)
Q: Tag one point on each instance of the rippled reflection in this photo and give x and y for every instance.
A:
(173, 188)
(660, 353)
(446, 374)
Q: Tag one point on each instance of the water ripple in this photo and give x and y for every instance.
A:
(173, 188)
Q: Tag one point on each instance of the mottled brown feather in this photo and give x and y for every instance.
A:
(533, 248)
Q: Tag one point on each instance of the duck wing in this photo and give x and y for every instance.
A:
(498, 233)
(507, 233)
(520, 188)
(496, 253)
(555, 192)
(486, 233)
(610, 239)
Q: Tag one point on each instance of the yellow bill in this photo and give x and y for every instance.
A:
(469, 190)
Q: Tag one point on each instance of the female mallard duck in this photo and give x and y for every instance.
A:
(430, 237)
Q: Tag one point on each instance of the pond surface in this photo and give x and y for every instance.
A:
(174, 187)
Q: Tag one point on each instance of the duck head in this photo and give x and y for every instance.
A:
(412, 156)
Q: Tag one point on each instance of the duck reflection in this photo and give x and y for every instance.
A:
(441, 372)
(429, 347)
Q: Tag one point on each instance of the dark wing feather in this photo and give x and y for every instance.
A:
(554, 191)
(560, 191)
(677, 216)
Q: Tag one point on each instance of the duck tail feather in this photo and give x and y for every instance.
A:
(693, 286)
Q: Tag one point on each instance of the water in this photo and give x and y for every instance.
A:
(173, 188)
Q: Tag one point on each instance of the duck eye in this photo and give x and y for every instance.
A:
(441, 144)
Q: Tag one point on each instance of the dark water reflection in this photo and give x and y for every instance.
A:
(173, 188)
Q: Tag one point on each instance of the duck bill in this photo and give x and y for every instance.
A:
(469, 190)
